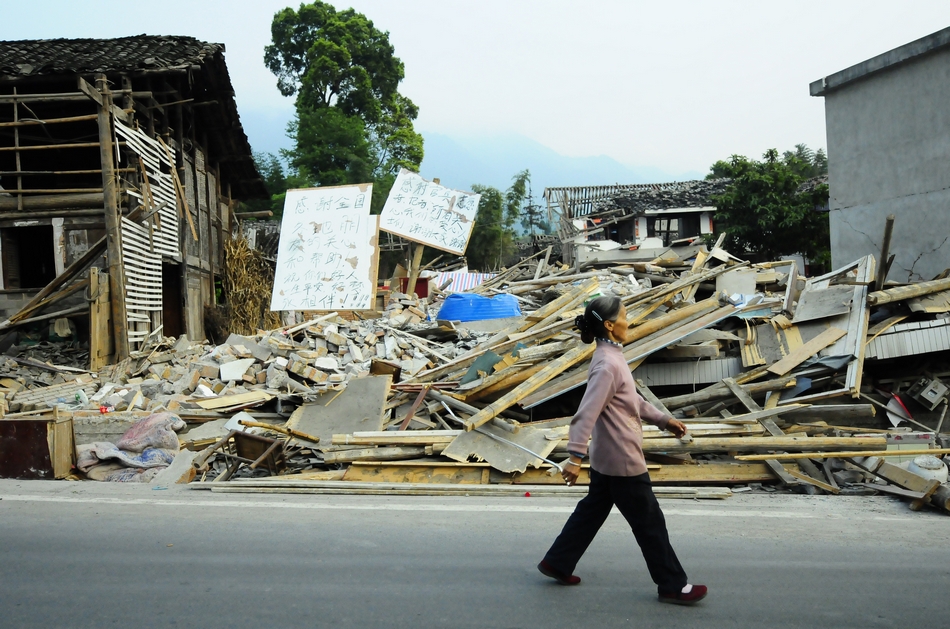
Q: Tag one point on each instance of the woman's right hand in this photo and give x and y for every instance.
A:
(570, 471)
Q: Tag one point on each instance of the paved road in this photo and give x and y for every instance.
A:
(101, 555)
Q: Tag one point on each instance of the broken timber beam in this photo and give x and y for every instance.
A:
(719, 391)
(900, 293)
(580, 353)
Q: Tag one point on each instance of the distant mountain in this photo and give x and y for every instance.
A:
(494, 160)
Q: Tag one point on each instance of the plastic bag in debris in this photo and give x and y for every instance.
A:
(90, 455)
(147, 447)
(155, 431)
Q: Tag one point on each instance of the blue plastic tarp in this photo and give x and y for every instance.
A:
(471, 307)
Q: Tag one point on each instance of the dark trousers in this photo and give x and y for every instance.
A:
(634, 497)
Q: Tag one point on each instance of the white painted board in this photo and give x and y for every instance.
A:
(427, 213)
(328, 252)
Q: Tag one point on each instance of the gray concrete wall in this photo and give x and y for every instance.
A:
(889, 153)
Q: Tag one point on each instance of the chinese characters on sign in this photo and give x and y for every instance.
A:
(327, 256)
(427, 213)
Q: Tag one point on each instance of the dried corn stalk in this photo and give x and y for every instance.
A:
(248, 279)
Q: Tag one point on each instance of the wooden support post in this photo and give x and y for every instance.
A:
(100, 326)
(113, 231)
(885, 250)
(414, 268)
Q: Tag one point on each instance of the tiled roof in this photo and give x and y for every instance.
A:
(664, 196)
(124, 54)
(31, 60)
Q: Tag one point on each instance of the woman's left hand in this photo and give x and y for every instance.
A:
(676, 427)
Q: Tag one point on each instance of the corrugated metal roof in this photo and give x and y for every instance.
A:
(909, 339)
(692, 372)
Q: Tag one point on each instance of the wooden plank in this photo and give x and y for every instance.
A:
(821, 303)
(651, 398)
(238, 399)
(805, 478)
(417, 472)
(391, 437)
(756, 444)
(806, 351)
(741, 394)
(181, 192)
(436, 489)
(842, 454)
(412, 409)
(392, 453)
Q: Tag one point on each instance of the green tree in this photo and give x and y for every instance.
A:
(352, 125)
(493, 236)
(277, 181)
(806, 162)
(486, 246)
(767, 213)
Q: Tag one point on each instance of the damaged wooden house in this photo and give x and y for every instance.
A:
(121, 161)
(624, 223)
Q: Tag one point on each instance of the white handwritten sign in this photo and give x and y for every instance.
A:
(328, 253)
(425, 212)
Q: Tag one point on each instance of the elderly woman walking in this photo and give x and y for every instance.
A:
(610, 416)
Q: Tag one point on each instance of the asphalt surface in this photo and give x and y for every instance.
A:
(84, 554)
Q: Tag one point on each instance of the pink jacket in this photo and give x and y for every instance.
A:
(610, 416)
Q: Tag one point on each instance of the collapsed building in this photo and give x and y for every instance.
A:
(606, 223)
(125, 157)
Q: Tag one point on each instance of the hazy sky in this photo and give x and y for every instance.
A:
(673, 84)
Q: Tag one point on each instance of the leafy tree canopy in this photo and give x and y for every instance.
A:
(766, 212)
(276, 181)
(352, 125)
(493, 237)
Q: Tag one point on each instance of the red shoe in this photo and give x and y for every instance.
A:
(695, 595)
(550, 571)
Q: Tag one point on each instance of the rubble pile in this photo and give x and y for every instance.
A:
(785, 383)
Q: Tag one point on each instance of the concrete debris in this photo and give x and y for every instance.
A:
(786, 382)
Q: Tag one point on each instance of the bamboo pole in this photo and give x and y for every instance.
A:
(53, 202)
(89, 171)
(53, 190)
(28, 123)
(44, 147)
